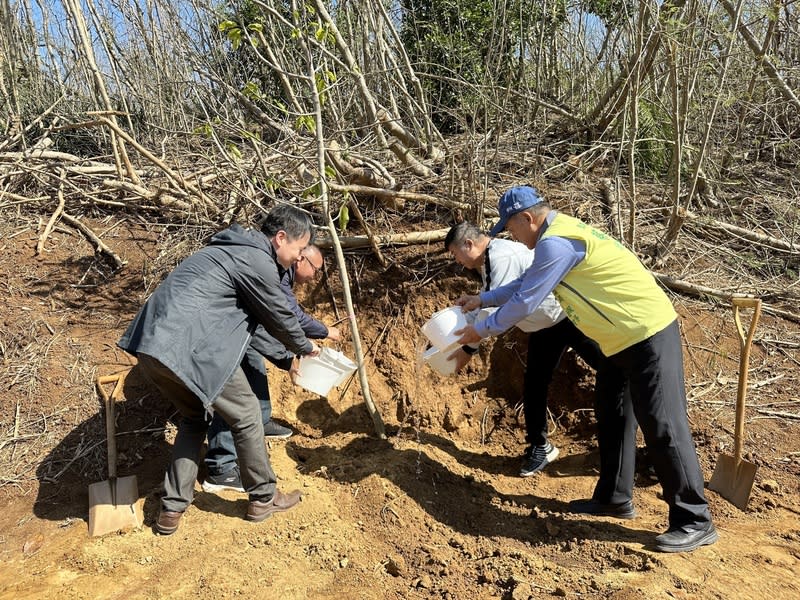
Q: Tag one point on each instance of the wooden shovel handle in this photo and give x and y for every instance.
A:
(746, 342)
(109, 402)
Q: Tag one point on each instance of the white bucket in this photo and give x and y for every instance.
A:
(437, 360)
(440, 327)
(319, 374)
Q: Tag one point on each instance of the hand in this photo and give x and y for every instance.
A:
(468, 335)
(469, 303)
(294, 370)
(315, 350)
(334, 335)
(461, 358)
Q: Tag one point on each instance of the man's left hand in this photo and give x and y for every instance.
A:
(294, 370)
(461, 358)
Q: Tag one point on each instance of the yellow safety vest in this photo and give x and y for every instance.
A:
(609, 295)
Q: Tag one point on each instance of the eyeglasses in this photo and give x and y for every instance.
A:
(317, 269)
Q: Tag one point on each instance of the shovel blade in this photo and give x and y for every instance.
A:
(114, 505)
(732, 481)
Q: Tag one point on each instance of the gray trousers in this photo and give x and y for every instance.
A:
(239, 408)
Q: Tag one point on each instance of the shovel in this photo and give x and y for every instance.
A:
(733, 477)
(114, 503)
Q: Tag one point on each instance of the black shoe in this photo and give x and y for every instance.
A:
(537, 458)
(686, 538)
(623, 510)
(226, 481)
(274, 431)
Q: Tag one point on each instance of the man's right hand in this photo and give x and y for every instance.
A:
(469, 303)
(334, 335)
(315, 350)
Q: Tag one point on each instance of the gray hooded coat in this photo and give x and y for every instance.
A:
(200, 320)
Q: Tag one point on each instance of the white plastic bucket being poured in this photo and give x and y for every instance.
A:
(319, 374)
(438, 361)
(441, 326)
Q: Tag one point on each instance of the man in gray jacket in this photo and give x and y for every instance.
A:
(190, 338)
(222, 470)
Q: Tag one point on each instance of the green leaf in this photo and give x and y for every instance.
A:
(233, 150)
(305, 122)
(344, 217)
(205, 130)
(235, 37)
(256, 27)
(330, 172)
(252, 91)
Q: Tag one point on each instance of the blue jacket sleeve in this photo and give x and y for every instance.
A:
(555, 256)
(271, 349)
(315, 330)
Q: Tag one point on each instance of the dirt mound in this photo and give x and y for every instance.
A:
(437, 510)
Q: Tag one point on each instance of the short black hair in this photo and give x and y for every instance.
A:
(460, 232)
(295, 222)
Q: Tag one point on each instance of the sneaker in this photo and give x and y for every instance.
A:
(168, 521)
(537, 458)
(274, 431)
(226, 481)
(258, 510)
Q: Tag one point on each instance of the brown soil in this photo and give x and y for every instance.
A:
(435, 511)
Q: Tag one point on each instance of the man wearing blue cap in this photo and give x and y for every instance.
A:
(550, 333)
(609, 295)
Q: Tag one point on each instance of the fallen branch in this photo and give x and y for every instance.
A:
(748, 234)
(381, 193)
(694, 289)
(48, 155)
(159, 197)
(778, 413)
(54, 217)
(94, 238)
(392, 239)
(173, 176)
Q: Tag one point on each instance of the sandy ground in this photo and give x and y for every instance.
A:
(437, 510)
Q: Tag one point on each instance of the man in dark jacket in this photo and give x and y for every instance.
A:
(190, 338)
(220, 460)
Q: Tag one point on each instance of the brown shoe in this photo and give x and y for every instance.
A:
(259, 510)
(168, 521)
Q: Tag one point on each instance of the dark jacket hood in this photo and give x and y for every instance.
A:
(236, 235)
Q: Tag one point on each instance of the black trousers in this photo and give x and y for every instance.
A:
(615, 419)
(545, 348)
(653, 370)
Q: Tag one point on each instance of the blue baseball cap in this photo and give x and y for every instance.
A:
(513, 201)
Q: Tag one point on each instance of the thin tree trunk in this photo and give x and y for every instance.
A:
(351, 315)
(676, 217)
(764, 61)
